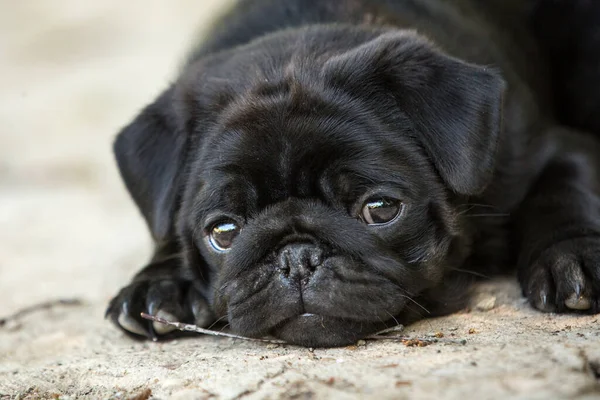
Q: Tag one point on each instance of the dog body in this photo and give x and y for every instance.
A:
(324, 168)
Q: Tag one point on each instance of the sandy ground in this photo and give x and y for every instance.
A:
(71, 73)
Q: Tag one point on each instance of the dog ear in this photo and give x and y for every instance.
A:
(151, 153)
(455, 106)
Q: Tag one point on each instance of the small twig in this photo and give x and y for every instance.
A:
(194, 328)
(413, 340)
(38, 307)
(386, 337)
(394, 329)
(381, 335)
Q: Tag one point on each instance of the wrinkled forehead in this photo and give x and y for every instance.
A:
(265, 151)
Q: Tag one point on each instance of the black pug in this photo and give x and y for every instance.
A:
(322, 169)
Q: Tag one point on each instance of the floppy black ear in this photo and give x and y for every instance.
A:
(151, 153)
(454, 105)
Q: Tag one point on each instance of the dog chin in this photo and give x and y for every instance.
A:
(313, 330)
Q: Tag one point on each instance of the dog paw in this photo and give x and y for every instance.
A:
(565, 277)
(173, 300)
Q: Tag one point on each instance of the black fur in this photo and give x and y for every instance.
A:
(569, 33)
(293, 113)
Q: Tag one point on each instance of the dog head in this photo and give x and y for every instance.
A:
(312, 177)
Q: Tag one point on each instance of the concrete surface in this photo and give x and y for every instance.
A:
(71, 73)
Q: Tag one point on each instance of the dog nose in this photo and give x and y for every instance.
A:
(297, 261)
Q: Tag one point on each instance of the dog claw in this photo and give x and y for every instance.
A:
(162, 329)
(539, 295)
(543, 302)
(578, 302)
(203, 316)
(172, 300)
(131, 325)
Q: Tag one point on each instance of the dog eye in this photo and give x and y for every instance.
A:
(380, 210)
(222, 234)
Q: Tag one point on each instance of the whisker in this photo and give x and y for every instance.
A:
(217, 321)
(466, 271)
(415, 310)
(383, 322)
(487, 215)
(224, 327)
(481, 205)
(394, 318)
(471, 206)
(414, 301)
(466, 211)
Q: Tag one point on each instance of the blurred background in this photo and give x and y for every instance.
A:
(72, 73)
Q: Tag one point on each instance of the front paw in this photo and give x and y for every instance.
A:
(565, 277)
(171, 299)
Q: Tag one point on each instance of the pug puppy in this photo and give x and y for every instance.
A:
(322, 169)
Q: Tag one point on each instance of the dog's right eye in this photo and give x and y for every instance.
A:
(380, 210)
(222, 234)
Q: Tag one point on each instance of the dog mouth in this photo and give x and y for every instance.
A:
(342, 303)
(316, 323)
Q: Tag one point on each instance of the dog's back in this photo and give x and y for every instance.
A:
(487, 33)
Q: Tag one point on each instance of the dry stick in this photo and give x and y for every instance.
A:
(389, 337)
(428, 340)
(37, 307)
(383, 335)
(397, 328)
(194, 328)
(378, 336)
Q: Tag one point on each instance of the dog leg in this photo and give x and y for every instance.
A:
(558, 228)
(162, 288)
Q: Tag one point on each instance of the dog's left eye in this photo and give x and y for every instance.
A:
(222, 234)
(380, 210)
